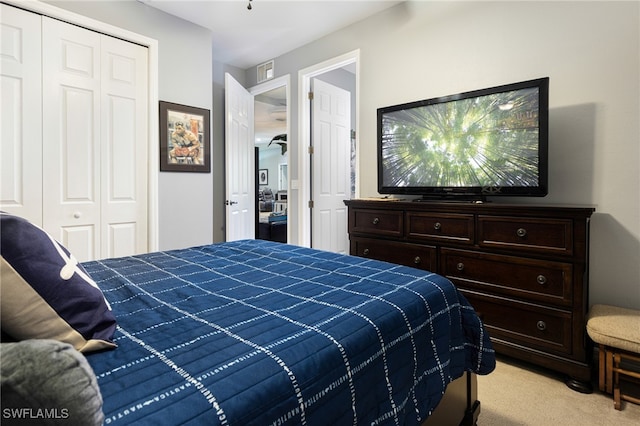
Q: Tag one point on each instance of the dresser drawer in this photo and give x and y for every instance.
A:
(523, 323)
(414, 255)
(536, 280)
(458, 228)
(526, 234)
(376, 222)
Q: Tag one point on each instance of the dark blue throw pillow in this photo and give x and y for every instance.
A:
(46, 293)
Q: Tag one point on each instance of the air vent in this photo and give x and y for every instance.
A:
(265, 71)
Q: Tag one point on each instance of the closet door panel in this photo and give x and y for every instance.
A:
(124, 148)
(21, 129)
(71, 137)
(79, 239)
(76, 158)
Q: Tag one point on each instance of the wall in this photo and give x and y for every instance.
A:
(271, 158)
(590, 51)
(416, 50)
(185, 76)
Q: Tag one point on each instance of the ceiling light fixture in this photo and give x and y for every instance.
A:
(249, 5)
(280, 140)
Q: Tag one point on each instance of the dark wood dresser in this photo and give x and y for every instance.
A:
(522, 267)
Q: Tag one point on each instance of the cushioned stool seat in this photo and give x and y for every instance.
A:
(617, 331)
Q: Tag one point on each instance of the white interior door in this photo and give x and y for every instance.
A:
(239, 161)
(21, 106)
(330, 167)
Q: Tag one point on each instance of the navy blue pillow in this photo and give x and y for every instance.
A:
(46, 293)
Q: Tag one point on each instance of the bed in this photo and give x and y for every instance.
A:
(258, 332)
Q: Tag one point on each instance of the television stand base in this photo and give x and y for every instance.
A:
(471, 198)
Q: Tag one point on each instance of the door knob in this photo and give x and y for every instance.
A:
(230, 203)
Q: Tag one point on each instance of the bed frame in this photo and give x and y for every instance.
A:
(459, 405)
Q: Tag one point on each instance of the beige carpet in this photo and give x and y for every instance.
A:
(520, 394)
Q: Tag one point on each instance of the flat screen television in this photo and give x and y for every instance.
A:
(488, 142)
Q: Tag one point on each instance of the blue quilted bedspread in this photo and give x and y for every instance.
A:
(255, 332)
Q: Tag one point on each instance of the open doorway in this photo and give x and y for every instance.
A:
(346, 65)
(271, 128)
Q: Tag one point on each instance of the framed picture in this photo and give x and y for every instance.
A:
(185, 144)
(263, 176)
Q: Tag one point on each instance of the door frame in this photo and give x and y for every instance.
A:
(304, 135)
(153, 114)
(283, 81)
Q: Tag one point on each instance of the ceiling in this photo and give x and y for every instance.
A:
(245, 38)
(270, 116)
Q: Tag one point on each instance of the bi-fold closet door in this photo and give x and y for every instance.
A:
(74, 154)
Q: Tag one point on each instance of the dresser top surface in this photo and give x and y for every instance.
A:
(472, 207)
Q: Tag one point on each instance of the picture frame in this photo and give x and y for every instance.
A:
(185, 142)
(263, 177)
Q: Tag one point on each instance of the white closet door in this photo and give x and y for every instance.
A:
(71, 136)
(95, 142)
(21, 128)
(124, 127)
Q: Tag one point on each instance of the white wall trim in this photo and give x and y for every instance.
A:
(153, 112)
(304, 134)
(284, 80)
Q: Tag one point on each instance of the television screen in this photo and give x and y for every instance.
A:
(489, 142)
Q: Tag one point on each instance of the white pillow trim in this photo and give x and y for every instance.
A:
(71, 266)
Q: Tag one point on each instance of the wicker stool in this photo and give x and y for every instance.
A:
(617, 331)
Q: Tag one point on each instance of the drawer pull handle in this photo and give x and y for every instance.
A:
(375, 221)
(542, 280)
(460, 266)
(417, 260)
(521, 232)
(437, 226)
(366, 252)
(542, 326)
